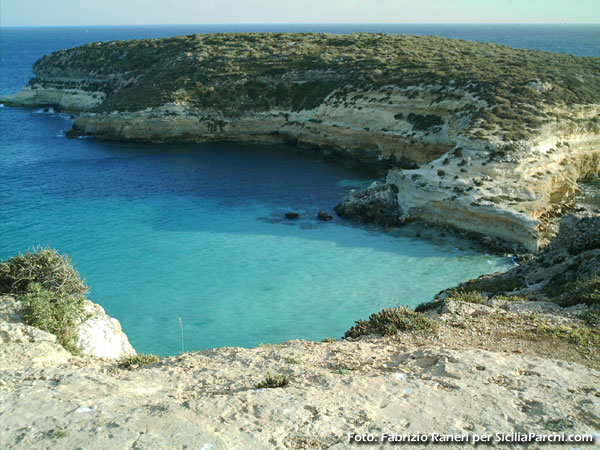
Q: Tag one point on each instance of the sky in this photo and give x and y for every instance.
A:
(150, 12)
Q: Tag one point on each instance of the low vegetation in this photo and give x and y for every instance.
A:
(491, 285)
(580, 335)
(51, 290)
(558, 425)
(391, 321)
(56, 312)
(591, 318)
(57, 434)
(468, 297)
(141, 359)
(273, 381)
(236, 72)
(583, 291)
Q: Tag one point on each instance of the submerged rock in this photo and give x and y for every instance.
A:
(292, 215)
(322, 215)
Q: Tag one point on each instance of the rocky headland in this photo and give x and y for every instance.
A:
(481, 137)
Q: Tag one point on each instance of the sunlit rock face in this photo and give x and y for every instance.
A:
(101, 335)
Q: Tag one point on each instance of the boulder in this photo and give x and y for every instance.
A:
(322, 215)
(102, 336)
(376, 204)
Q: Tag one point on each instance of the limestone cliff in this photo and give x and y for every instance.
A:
(484, 137)
(99, 335)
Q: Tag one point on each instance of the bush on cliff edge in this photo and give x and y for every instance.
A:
(45, 266)
(51, 290)
(390, 321)
(55, 312)
(583, 291)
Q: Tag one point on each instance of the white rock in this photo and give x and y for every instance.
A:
(101, 335)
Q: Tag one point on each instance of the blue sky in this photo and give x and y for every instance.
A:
(130, 12)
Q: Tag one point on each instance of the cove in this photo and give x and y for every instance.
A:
(196, 232)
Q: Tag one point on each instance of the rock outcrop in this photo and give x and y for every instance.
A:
(99, 335)
(482, 137)
(377, 204)
(515, 198)
(573, 256)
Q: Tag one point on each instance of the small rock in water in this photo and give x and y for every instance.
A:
(322, 215)
(292, 215)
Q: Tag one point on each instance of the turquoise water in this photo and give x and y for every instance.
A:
(196, 232)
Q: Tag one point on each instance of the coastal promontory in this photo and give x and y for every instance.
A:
(480, 137)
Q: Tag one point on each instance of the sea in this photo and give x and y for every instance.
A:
(187, 245)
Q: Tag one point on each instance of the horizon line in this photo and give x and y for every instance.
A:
(297, 23)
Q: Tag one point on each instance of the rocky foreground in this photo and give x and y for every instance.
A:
(481, 137)
(468, 378)
(508, 354)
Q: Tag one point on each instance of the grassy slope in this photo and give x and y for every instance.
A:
(241, 72)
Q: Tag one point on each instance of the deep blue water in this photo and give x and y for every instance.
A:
(195, 232)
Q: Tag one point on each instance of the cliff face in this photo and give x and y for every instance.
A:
(494, 138)
(513, 198)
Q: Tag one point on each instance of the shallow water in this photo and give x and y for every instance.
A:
(197, 231)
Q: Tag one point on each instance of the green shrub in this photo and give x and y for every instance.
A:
(558, 425)
(57, 434)
(390, 321)
(55, 312)
(424, 123)
(273, 381)
(529, 297)
(468, 297)
(586, 291)
(44, 266)
(494, 284)
(141, 359)
(430, 306)
(591, 318)
(577, 335)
